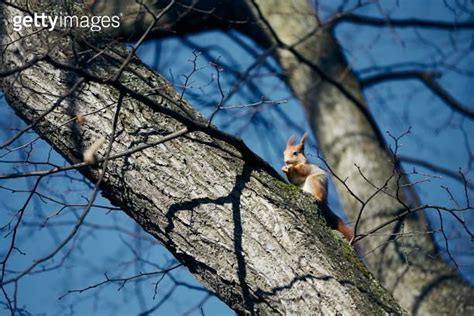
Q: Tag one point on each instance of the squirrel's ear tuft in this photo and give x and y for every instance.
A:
(291, 141)
(303, 139)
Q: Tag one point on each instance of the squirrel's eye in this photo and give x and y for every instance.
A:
(295, 153)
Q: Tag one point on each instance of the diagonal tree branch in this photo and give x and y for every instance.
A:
(256, 242)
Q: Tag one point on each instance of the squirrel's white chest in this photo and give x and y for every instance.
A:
(307, 186)
(309, 183)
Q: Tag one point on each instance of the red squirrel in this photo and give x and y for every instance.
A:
(313, 180)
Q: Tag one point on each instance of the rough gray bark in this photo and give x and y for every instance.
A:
(410, 267)
(255, 241)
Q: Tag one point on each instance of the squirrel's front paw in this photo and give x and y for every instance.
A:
(285, 168)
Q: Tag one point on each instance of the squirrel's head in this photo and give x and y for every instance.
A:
(294, 154)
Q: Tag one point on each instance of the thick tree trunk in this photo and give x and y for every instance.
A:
(255, 241)
(320, 77)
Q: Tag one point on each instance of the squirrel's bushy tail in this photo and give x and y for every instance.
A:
(335, 222)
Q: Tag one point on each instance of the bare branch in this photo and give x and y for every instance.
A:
(404, 23)
(436, 168)
(429, 80)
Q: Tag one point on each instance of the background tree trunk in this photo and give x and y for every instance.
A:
(255, 241)
(407, 264)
